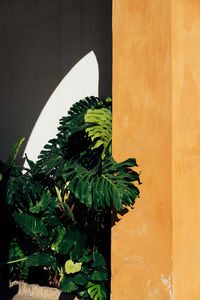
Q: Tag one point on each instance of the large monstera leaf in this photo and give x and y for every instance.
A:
(75, 118)
(97, 291)
(101, 129)
(71, 140)
(20, 188)
(110, 184)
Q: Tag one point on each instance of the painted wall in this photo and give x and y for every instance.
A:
(156, 118)
(40, 42)
(142, 239)
(186, 149)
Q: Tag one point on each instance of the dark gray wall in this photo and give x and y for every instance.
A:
(41, 40)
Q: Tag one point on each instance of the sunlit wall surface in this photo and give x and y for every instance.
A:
(156, 118)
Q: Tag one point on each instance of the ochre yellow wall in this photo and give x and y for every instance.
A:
(186, 148)
(156, 118)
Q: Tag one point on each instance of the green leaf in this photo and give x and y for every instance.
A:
(113, 183)
(99, 260)
(71, 267)
(79, 247)
(67, 285)
(35, 209)
(30, 225)
(15, 251)
(99, 275)
(13, 153)
(43, 204)
(38, 259)
(81, 294)
(131, 162)
(59, 239)
(24, 268)
(81, 279)
(101, 129)
(70, 132)
(51, 219)
(97, 291)
(85, 269)
(68, 241)
(19, 186)
(16, 256)
(67, 210)
(87, 256)
(109, 99)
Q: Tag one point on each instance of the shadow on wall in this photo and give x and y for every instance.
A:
(40, 42)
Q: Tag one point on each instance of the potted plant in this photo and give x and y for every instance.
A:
(59, 208)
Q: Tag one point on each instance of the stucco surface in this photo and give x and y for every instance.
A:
(186, 149)
(156, 118)
(142, 239)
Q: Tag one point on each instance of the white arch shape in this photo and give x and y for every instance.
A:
(81, 81)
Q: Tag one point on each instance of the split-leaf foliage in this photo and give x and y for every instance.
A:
(60, 206)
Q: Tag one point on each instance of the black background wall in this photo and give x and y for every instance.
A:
(40, 41)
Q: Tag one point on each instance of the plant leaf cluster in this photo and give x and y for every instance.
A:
(60, 205)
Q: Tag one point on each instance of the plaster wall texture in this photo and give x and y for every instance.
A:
(186, 148)
(156, 105)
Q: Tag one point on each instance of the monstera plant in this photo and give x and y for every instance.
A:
(60, 206)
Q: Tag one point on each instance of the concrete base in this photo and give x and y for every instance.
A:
(36, 292)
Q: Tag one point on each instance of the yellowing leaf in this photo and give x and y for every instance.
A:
(101, 132)
(71, 267)
(58, 194)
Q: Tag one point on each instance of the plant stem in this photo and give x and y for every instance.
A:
(17, 260)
